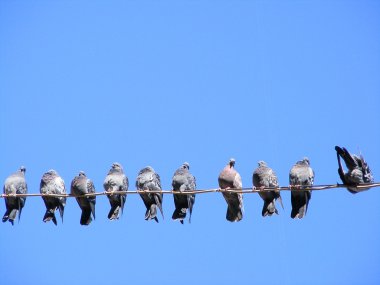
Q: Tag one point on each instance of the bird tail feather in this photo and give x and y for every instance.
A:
(114, 212)
(233, 214)
(50, 216)
(85, 218)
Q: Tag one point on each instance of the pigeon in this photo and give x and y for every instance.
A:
(230, 178)
(116, 181)
(358, 170)
(148, 180)
(183, 181)
(265, 177)
(79, 186)
(300, 175)
(15, 184)
(52, 183)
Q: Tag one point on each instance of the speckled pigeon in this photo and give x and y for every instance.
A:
(52, 183)
(300, 175)
(15, 184)
(183, 181)
(265, 177)
(116, 181)
(230, 178)
(358, 171)
(81, 185)
(148, 180)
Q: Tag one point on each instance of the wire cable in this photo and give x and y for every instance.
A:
(363, 186)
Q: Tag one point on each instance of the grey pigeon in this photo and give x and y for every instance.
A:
(52, 183)
(358, 170)
(81, 185)
(265, 177)
(230, 178)
(300, 175)
(15, 184)
(116, 181)
(183, 181)
(148, 180)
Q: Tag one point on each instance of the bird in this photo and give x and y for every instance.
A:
(116, 181)
(265, 177)
(301, 176)
(14, 184)
(230, 178)
(52, 183)
(183, 181)
(81, 185)
(148, 180)
(358, 171)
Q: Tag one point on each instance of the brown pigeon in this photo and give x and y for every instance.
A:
(230, 178)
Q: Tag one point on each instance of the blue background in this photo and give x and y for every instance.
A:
(87, 83)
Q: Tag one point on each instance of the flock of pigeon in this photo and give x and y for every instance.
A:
(301, 176)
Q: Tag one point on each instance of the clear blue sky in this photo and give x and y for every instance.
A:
(86, 83)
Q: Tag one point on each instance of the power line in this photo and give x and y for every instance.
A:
(204, 191)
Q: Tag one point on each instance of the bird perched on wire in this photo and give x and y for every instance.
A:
(15, 184)
(265, 177)
(52, 183)
(358, 171)
(81, 185)
(301, 176)
(116, 181)
(183, 181)
(230, 178)
(148, 180)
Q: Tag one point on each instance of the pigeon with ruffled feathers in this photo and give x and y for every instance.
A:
(265, 177)
(358, 171)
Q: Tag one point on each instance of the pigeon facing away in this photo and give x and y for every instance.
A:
(300, 175)
(116, 181)
(148, 180)
(79, 186)
(183, 181)
(15, 184)
(265, 177)
(52, 183)
(358, 170)
(230, 178)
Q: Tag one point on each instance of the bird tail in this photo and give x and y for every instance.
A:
(234, 214)
(92, 206)
(300, 204)
(50, 216)
(114, 212)
(179, 214)
(10, 215)
(61, 209)
(85, 218)
(151, 213)
(158, 200)
(269, 209)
